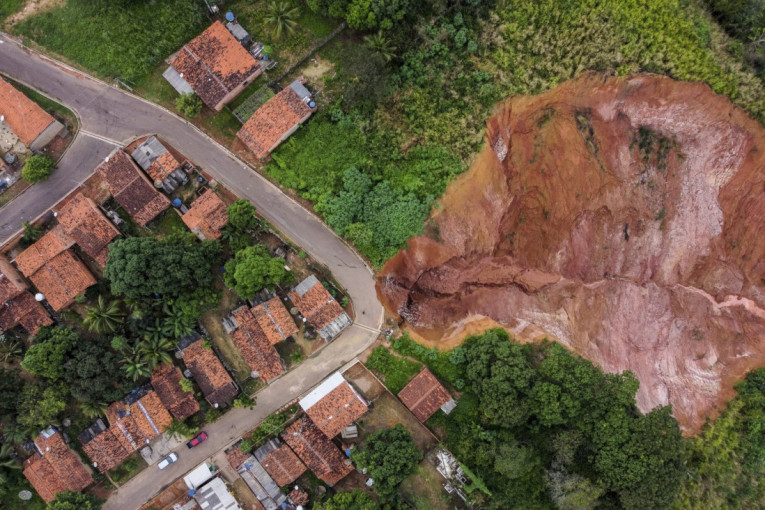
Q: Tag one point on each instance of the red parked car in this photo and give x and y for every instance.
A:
(201, 437)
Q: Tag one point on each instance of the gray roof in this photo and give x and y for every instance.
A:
(176, 80)
(306, 285)
(261, 484)
(271, 446)
(238, 31)
(300, 90)
(334, 328)
(148, 152)
(214, 495)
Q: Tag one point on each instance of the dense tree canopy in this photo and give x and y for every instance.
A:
(145, 267)
(354, 500)
(390, 455)
(50, 349)
(37, 168)
(10, 388)
(241, 214)
(40, 405)
(253, 269)
(68, 500)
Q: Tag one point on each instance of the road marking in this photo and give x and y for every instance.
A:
(373, 330)
(102, 138)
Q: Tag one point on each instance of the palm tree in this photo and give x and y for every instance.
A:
(93, 409)
(176, 324)
(31, 233)
(134, 365)
(10, 348)
(7, 457)
(281, 17)
(155, 351)
(155, 330)
(105, 316)
(179, 429)
(381, 45)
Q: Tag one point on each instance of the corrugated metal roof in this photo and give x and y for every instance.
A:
(322, 390)
(300, 90)
(148, 152)
(176, 80)
(306, 285)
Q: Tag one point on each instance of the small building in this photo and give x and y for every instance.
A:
(209, 373)
(214, 65)
(54, 467)
(239, 33)
(260, 482)
(61, 279)
(316, 451)
(275, 321)
(54, 242)
(133, 423)
(319, 308)
(17, 306)
(207, 216)
(157, 161)
(131, 188)
(277, 119)
(424, 395)
(214, 495)
(333, 405)
(85, 225)
(166, 381)
(33, 126)
(280, 462)
(199, 476)
(254, 345)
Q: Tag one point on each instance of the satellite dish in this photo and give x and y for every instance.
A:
(39, 297)
(106, 159)
(2, 118)
(25, 495)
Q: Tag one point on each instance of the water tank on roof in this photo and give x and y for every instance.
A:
(312, 104)
(230, 16)
(177, 202)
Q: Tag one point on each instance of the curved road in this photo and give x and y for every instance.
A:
(110, 117)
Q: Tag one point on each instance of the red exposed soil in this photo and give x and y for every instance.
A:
(637, 248)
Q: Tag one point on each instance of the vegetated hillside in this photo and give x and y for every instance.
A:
(619, 216)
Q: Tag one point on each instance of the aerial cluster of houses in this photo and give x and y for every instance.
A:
(219, 64)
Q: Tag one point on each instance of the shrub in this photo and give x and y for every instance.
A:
(396, 371)
(188, 104)
(38, 168)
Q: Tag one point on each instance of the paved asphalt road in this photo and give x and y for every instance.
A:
(109, 117)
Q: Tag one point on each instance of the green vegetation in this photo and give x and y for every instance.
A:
(281, 17)
(68, 500)
(112, 37)
(354, 500)
(37, 168)
(253, 269)
(8, 7)
(189, 105)
(444, 364)
(396, 371)
(725, 465)
(389, 456)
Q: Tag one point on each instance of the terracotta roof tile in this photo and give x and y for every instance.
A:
(283, 466)
(25, 118)
(236, 457)
(214, 63)
(55, 468)
(166, 381)
(318, 453)
(62, 278)
(337, 409)
(256, 350)
(273, 121)
(274, 320)
(11, 282)
(85, 224)
(424, 395)
(161, 168)
(48, 246)
(298, 497)
(207, 215)
(209, 373)
(24, 310)
(317, 306)
(131, 188)
(107, 450)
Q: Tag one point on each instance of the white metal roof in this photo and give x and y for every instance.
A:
(322, 390)
(198, 476)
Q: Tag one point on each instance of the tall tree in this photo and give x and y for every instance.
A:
(50, 349)
(105, 316)
(390, 456)
(281, 17)
(253, 269)
(241, 214)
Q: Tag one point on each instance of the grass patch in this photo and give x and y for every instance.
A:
(128, 469)
(221, 126)
(222, 340)
(424, 489)
(8, 7)
(272, 426)
(154, 87)
(396, 371)
(169, 222)
(116, 38)
(444, 364)
(15, 190)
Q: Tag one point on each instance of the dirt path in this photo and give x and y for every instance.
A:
(33, 7)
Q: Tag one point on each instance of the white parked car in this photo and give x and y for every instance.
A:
(167, 460)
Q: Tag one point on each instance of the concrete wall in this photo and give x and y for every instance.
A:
(237, 90)
(49, 133)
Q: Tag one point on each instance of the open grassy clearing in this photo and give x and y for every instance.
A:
(424, 489)
(394, 370)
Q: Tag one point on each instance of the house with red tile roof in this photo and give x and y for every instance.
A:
(319, 308)
(85, 225)
(253, 343)
(206, 216)
(424, 395)
(333, 405)
(316, 451)
(260, 481)
(133, 423)
(31, 124)
(160, 164)
(210, 374)
(54, 467)
(275, 321)
(131, 188)
(280, 462)
(166, 381)
(277, 119)
(215, 66)
(61, 279)
(54, 241)
(17, 306)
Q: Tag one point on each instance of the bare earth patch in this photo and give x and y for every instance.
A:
(33, 7)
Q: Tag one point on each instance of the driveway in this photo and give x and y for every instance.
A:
(110, 116)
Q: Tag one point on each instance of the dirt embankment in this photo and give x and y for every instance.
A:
(620, 216)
